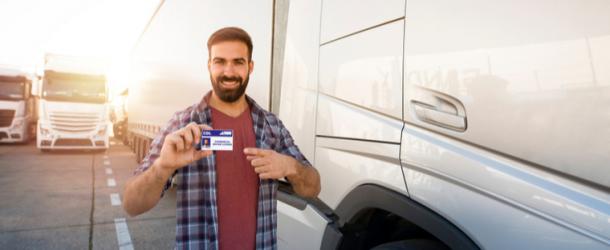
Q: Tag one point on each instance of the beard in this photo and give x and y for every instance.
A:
(229, 95)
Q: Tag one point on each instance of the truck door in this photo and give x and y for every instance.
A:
(341, 100)
(506, 107)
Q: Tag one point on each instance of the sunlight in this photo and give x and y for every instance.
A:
(106, 30)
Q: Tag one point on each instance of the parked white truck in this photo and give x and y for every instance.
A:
(434, 124)
(74, 107)
(17, 106)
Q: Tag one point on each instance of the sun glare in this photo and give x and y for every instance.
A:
(108, 30)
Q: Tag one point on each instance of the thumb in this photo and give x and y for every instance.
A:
(202, 154)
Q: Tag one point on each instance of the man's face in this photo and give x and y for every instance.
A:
(229, 69)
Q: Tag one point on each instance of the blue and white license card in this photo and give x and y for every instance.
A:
(217, 139)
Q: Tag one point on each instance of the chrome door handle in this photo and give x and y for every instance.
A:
(432, 114)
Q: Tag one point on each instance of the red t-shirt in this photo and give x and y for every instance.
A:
(237, 184)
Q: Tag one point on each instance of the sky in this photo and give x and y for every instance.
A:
(105, 29)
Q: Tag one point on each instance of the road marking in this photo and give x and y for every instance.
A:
(115, 200)
(122, 234)
(106, 162)
(111, 182)
(108, 170)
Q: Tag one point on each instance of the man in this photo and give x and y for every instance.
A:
(225, 199)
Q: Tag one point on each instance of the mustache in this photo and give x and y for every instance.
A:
(229, 79)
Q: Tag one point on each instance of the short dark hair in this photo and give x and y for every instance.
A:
(231, 34)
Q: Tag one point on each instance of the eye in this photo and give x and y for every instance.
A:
(240, 62)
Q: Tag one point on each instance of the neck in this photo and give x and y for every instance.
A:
(232, 109)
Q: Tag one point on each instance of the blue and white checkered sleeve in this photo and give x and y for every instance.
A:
(288, 146)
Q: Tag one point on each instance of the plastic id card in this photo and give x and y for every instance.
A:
(217, 139)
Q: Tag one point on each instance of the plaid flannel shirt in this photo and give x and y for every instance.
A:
(196, 213)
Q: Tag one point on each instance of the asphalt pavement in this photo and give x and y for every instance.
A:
(71, 200)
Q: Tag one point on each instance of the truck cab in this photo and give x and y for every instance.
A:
(448, 124)
(73, 112)
(17, 107)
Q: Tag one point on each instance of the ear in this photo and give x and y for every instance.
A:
(251, 67)
(209, 64)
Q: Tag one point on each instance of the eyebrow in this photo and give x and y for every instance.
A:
(239, 59)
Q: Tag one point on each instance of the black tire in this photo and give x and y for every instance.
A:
(415, 244)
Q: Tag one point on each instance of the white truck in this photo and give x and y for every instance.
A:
(74, 107)
(435, 124)
(17, 106)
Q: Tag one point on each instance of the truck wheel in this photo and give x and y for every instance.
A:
(419, 244)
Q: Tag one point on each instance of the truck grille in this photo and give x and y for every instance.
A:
(73, 142)
(73, 122)
(6, 117)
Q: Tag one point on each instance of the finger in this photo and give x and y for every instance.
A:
(204, 127)
(259, 162)
(265, 176)
(176, 141)
(261, 169)
(250, 158)
(202, 154)
(256, 152)
(195, 131)
(188, 138)
(251, 151)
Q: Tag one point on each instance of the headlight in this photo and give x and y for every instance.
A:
(101, 132)
(18, 123)
(44, 131)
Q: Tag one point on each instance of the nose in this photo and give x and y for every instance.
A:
(229, 69)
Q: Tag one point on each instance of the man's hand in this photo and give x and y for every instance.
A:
(178, 149)
(269, 164)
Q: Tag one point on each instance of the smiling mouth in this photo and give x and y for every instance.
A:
(230, 84)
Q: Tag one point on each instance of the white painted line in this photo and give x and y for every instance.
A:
(115, 200)
(108, 171)
(106, 162)
(122, 234)
(111, 182)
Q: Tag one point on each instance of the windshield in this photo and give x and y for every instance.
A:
(75, 89)
(12, 90)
